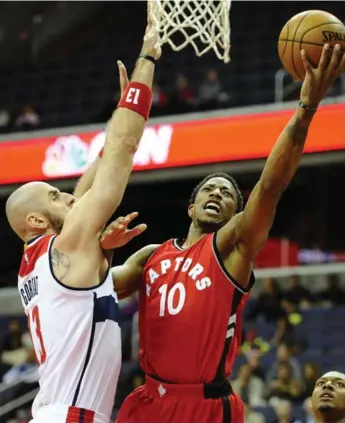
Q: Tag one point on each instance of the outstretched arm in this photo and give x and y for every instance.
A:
(250, 229)
(127, 278)
(86, 180)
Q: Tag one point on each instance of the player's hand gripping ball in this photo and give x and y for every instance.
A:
(319, 79)
(309, 31)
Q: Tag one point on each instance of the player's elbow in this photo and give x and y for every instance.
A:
(125, 135)
(131, 144)
(125, 144)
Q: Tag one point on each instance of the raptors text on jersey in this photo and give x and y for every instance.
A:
(190, 311)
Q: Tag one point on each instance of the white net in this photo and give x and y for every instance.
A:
(204, 24)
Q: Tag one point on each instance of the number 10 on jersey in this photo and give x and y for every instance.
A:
(36, 335)
(172, 300)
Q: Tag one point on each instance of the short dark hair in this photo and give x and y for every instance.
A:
(226, 176)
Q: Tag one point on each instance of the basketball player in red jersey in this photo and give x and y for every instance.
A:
(192, 292)
(328, 399)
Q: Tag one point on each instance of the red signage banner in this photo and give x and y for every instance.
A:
(215, 140)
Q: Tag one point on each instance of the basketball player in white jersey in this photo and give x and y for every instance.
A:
(64, 280)
(328, 399)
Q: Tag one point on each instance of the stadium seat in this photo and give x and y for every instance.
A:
(268, 413)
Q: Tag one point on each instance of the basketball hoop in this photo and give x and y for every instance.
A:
(204, 24)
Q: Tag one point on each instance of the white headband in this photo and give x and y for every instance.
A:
(335, 374)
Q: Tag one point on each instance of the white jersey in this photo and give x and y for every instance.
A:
(77, 340)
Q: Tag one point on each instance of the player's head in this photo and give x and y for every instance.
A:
(328, 398)
(37, 208)
(214, 201)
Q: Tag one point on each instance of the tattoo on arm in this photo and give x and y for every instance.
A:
(298, 133)
(61, 263)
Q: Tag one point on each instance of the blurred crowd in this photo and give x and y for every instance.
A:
(26, 119)
(181, 97)
(287, 381)
(273, 304)
(282, 385)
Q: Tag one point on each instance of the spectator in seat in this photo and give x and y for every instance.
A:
(268, 302)
(159, 101)
(28, 119)
(23, 362)
(333, 294)
(309, 418)
(5, 120)
(250, 415)
(285, 334)
(298, 294)
(294, 318)
(183, 98)
(284, 386)
(311, 373)
(250, 388)
(253, 357)
(283, 412)
(211, 93)
(11, 341)
(284, 356)
(13, 337)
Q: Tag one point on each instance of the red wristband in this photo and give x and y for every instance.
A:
(138, 98)
(100, 154)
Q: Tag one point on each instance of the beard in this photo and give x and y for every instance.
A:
(209, 227)
(325, 408)
(55, 222)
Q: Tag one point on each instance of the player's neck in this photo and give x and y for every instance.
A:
(31, 235)
(194, 234)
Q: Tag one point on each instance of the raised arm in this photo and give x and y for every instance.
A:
(249, 230)
(86, 180)
(124, 132)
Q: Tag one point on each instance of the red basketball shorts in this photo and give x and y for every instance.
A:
(157, 402)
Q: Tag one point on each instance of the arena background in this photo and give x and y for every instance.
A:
(58, 87)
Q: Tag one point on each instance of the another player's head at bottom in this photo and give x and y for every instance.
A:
(328, 399)
(37, 208)
(214, 201)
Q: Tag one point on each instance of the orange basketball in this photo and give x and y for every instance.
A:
(308, 30)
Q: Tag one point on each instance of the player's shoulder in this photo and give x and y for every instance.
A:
(33, 251)
(232, 226)
(150, 248)
(142, 255)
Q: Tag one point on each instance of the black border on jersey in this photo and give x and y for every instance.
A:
(227, 273)
(72, 288)
(32, 240)
(88, 353)
(176, 245)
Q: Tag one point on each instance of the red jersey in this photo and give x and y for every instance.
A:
(190, 312)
